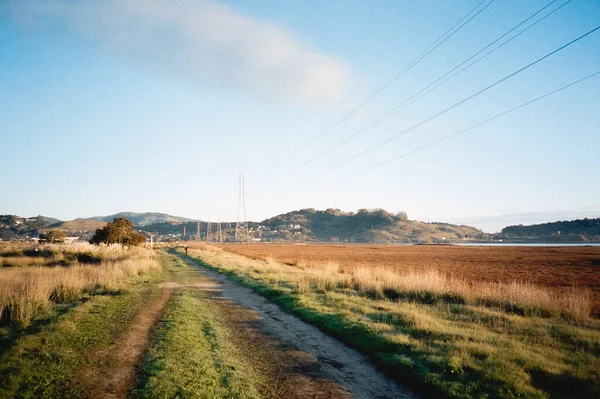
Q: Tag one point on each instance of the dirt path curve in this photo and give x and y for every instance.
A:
(126, 354)
(336, 361)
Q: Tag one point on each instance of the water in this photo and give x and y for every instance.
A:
(528, 244)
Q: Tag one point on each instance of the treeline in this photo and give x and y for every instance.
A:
(578, 230)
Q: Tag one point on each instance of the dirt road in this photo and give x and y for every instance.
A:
(118, 380)
(314, 360)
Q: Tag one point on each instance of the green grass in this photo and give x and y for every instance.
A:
(46, 359)
(438, 349)
(191, 356)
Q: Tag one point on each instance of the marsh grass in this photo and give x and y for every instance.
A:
(34, 287)
(430, 286)
(440, 335)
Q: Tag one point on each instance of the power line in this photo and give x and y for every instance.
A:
(472, 126)
(470, 97)
(438, 42)
(421, 93)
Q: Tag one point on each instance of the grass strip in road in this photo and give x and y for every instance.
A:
(438, 350)
(191, 356)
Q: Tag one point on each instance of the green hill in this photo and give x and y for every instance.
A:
(15, 227)
(562, 231)
(372, 226)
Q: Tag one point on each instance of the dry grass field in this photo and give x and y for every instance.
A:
(35, 278)
(557, 268)
(446, 321)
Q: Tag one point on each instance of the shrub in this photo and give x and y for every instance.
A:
(53, 236)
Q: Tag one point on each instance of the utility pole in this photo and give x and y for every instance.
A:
(242, 234)
(184, 232)
(198, 232)
(209, 235)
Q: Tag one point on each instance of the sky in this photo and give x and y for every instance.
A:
(153, 106)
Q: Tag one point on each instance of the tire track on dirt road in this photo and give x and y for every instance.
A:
(332, 359)
(118, 380)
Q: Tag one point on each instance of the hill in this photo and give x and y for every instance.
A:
(82, 225)
(141, 219)
(310, 225)
(14, 227)
(331, 225)
(562, 231)
(364, 226)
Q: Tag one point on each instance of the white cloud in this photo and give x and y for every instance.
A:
(203, 41)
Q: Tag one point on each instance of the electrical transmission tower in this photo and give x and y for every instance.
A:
(242, 233)
(198, 232)
(209, 234)
(219, 233)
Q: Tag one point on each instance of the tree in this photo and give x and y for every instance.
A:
(119, 231)
(53, 236)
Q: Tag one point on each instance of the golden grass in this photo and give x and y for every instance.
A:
(557, 268)
(429, 286)
(27, 291)
(20, 261)
(466, 338)
(433, 285)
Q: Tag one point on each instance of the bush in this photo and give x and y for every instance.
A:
(53, 236)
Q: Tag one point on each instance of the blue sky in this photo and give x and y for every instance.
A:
(151, 106)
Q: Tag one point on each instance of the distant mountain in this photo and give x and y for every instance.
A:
(567, 231)
(82, 225)
(141, 219)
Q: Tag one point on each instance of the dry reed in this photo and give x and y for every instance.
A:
(429, 286)
(27, 291)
